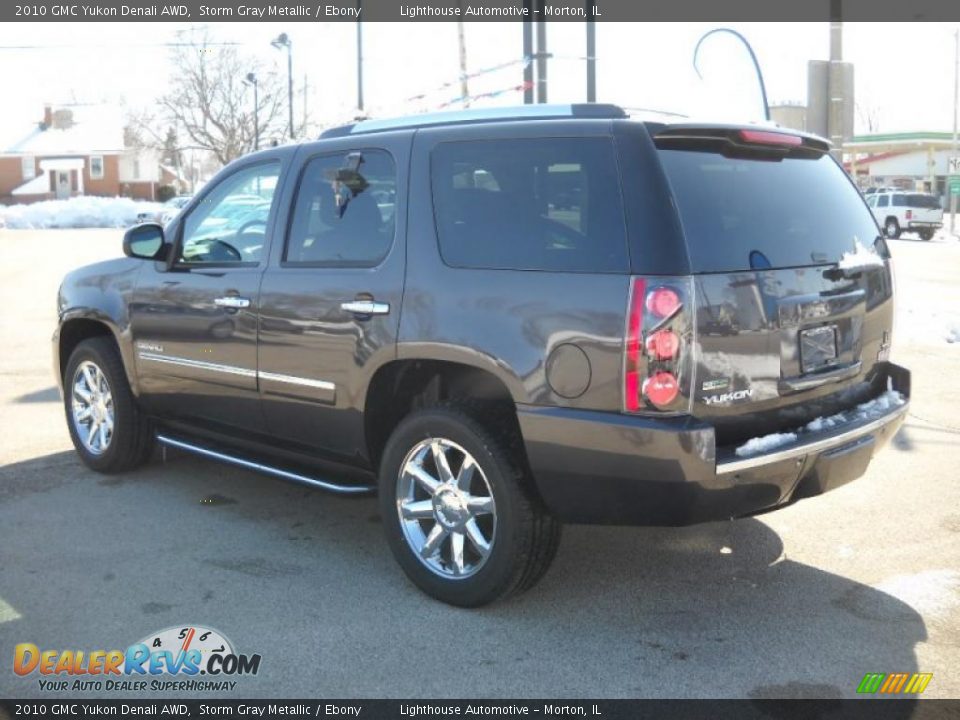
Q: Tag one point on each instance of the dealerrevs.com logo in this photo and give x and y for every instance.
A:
(182, 658)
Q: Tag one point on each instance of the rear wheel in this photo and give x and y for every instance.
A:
(459, 510)
(926, 234)
(108, 430)
(892, 228)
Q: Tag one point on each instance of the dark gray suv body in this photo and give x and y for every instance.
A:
(505, 322)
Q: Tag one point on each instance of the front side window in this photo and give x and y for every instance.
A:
(344, 213)
(529, 204)
(96, 167)
(230, 223)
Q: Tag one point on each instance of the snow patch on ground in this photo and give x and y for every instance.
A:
(78, 212)
(931, 593)
(953, 333)
(861, 257)
(871, 410)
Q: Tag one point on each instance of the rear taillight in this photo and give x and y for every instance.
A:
(909, 214)
(658, 361)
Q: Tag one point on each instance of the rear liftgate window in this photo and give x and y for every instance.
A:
(541, 204)
(741, 214)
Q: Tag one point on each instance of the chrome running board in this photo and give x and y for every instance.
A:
(260, 467)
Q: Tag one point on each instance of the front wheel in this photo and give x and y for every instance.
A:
(459, 509)
(892, 228)
(108, 430)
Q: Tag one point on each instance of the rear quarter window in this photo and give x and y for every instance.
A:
(741, 214)
(541, 204)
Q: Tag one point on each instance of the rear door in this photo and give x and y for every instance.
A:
(330, 299)
(924, 208)
(791, 284)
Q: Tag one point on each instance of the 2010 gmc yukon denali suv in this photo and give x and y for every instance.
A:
(503, 321)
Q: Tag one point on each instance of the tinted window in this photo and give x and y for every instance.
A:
(737, 213)
(230, 223)
(884, 201)
(344, 211)
(541, 204)
(920, 200)
(899, 200)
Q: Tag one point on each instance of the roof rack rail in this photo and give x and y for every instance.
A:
(479, 115)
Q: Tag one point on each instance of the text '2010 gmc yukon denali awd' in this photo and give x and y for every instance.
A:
(503, 321)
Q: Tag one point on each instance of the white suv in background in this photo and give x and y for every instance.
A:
(899, 211)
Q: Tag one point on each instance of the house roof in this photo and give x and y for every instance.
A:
(95, 129)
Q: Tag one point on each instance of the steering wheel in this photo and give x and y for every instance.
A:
(251, 224)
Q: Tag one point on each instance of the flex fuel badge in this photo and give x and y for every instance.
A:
(180, 658)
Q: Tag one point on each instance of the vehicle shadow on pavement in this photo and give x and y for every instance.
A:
(306, 580)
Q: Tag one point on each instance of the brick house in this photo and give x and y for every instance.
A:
(77, 150)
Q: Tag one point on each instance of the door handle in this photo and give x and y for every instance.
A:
(234, 302)
(366, 307)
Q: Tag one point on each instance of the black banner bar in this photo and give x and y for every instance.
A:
(477, 10)
(866, 709)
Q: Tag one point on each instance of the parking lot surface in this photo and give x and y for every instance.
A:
(797, 603)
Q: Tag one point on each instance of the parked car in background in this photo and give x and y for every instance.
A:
(898, 211)
(169, 210)
(502, 320)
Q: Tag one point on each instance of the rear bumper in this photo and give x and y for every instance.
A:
(608, 468)
(920, 225)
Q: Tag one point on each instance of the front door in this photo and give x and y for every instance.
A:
(330, 299)
(195, 324)
(63, 184)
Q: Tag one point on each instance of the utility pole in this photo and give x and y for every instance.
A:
(283, 40)
(528, 53)
(835, 93)
(359, 59)
(541, 52)
(252, 80)
(591, 52)
(956, 92)
(462, 43)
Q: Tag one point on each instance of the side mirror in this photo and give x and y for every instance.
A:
(144, 242)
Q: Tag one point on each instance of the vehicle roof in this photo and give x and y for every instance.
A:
(574, 111)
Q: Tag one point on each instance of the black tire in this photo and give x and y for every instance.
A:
(926, 235)
(525, 536)
(131, 440)
(891, 228)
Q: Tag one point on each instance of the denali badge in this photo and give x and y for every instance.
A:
(728, 397)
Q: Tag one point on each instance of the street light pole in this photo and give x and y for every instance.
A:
(283, 40)
(252, 80)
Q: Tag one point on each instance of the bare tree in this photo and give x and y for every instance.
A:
(869, 116)
(209, 100)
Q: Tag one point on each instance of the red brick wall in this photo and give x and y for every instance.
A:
(109, 185)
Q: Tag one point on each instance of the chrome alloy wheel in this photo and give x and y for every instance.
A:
(91, 403)
(446, 508)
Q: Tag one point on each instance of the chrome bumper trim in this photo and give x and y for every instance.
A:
(813, 446)
(268, 469)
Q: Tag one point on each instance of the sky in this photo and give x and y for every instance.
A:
(903, 71)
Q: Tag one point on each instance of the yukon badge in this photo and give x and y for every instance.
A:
(727, 398)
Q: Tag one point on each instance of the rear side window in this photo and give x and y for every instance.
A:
(344, 211)
(884, 201)
(742, 214)
(899, 200)
(540, 204)
(920, 200)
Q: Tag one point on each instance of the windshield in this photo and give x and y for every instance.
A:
(742, 214)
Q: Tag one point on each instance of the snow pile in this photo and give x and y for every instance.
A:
(953, 333)
(78, 212)
(871, 410)
(755, 446)
(861, 257)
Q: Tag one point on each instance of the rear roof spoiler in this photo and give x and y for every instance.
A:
(740, 140)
